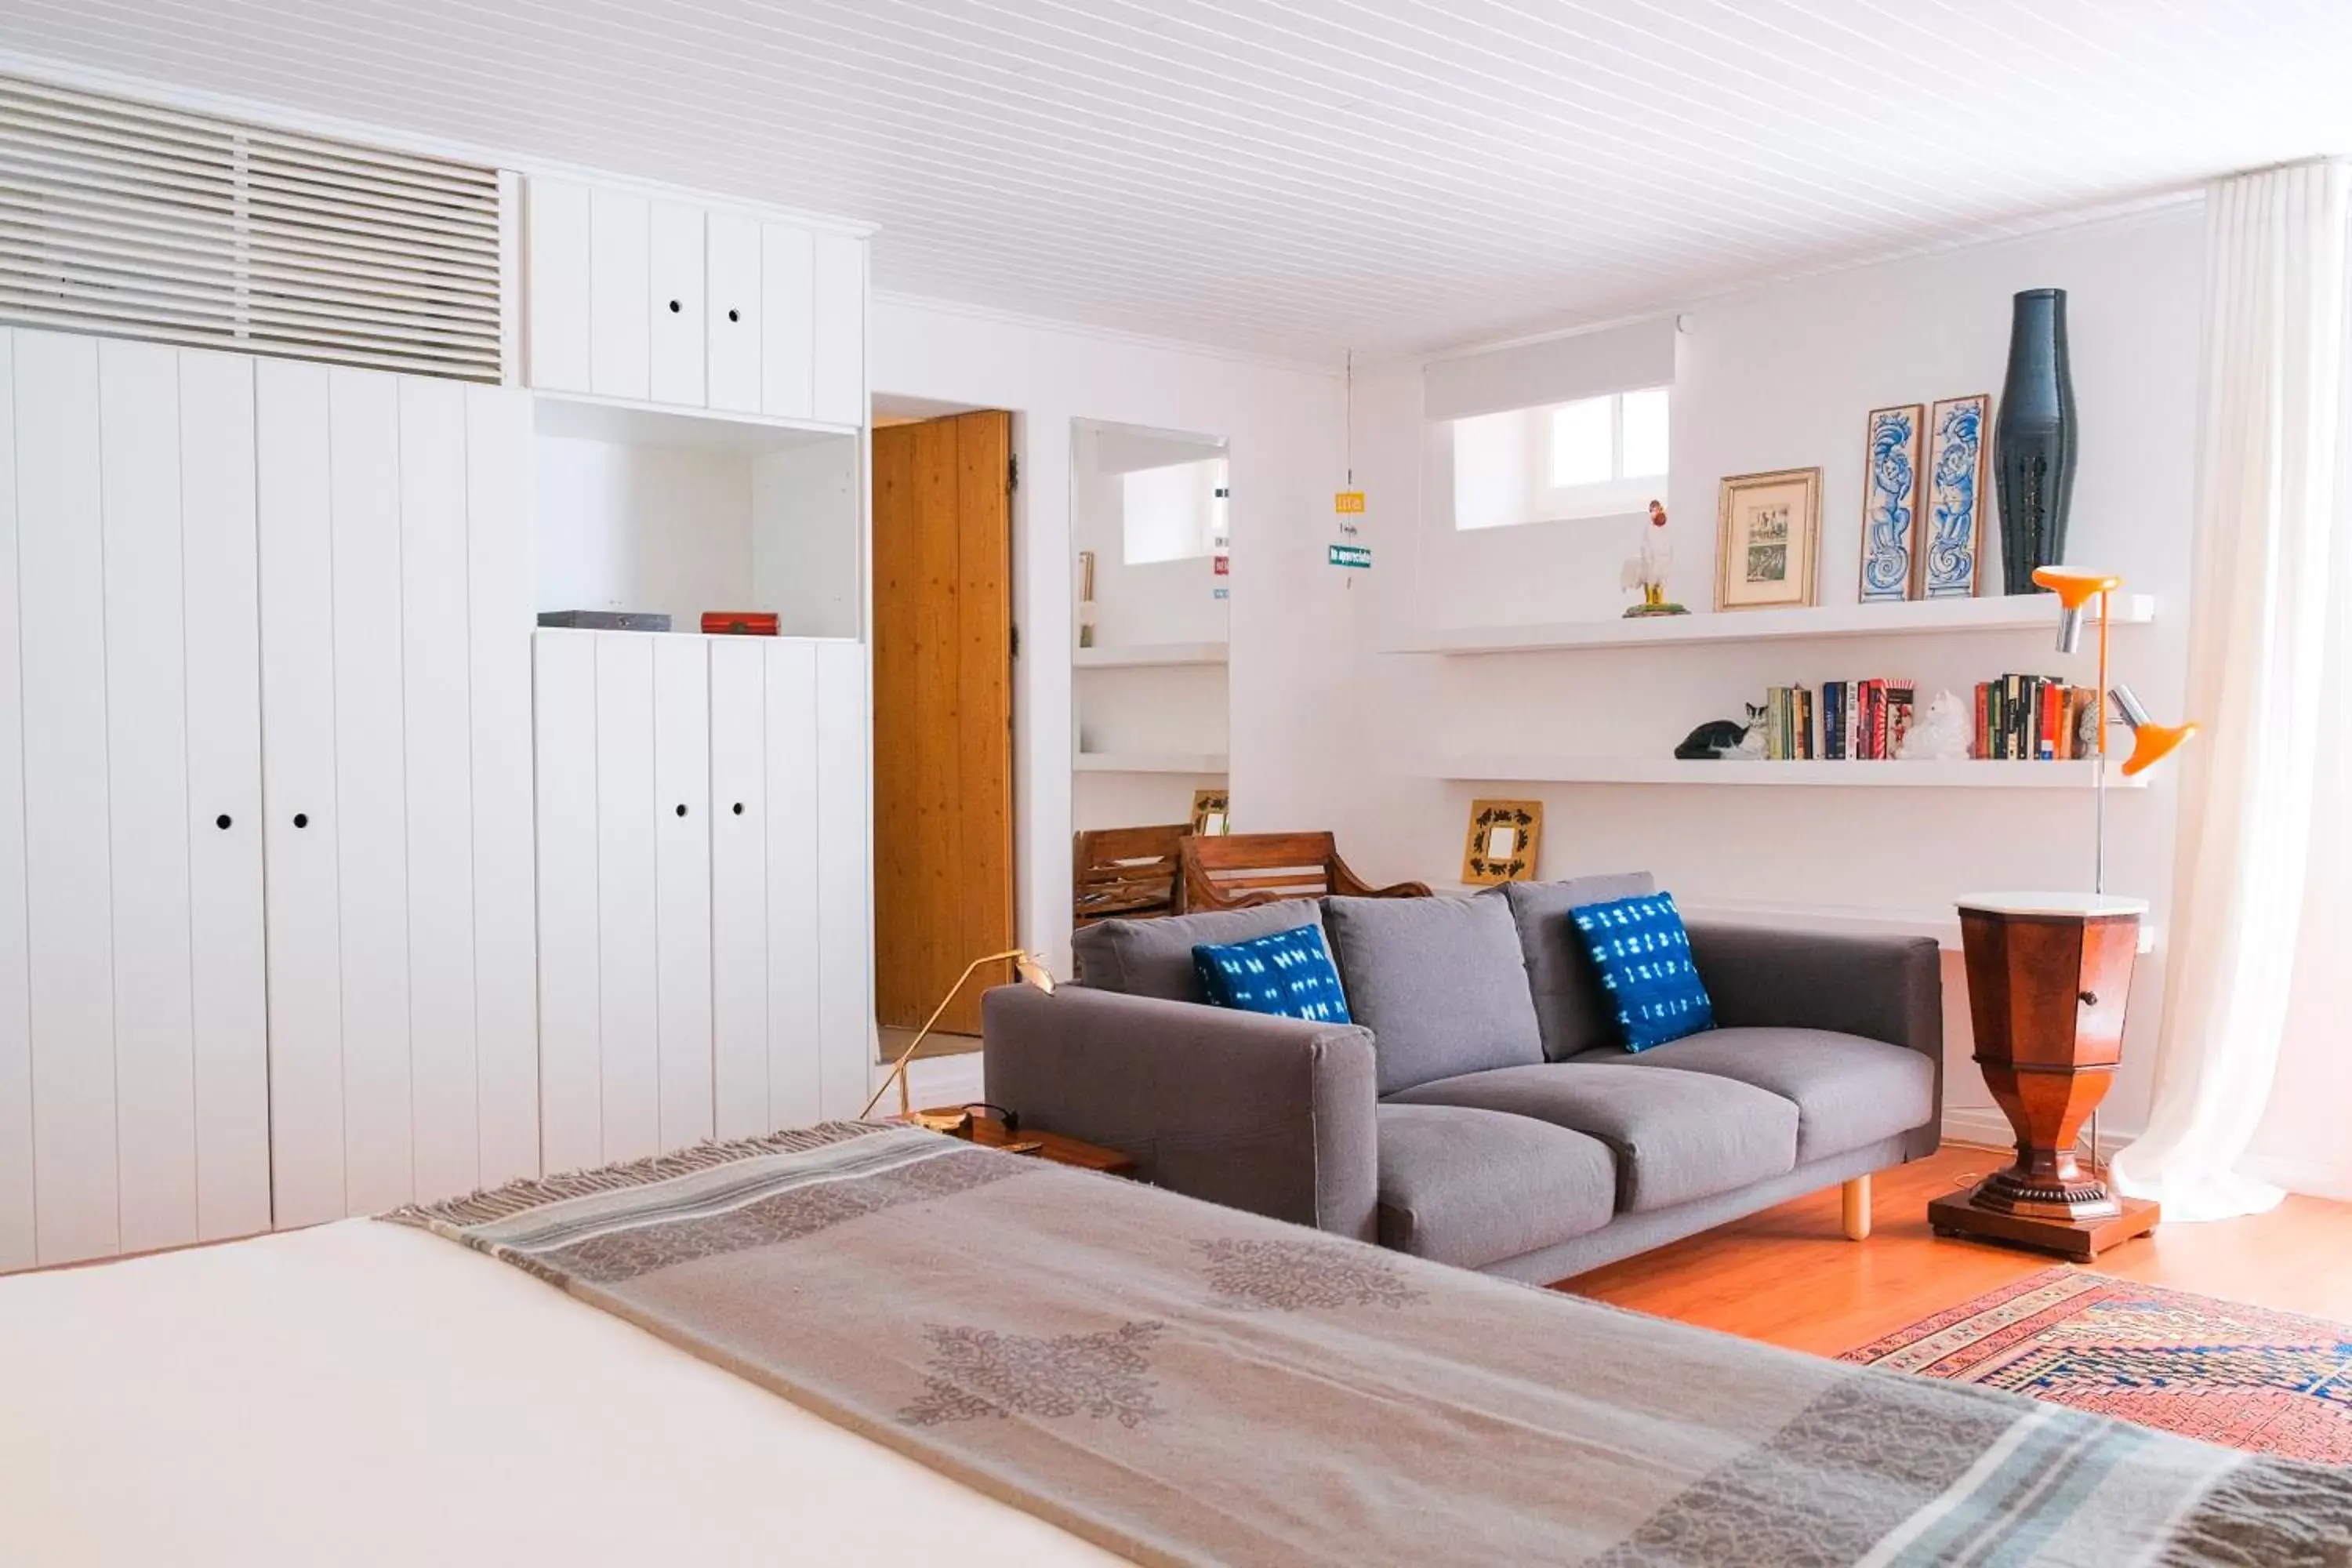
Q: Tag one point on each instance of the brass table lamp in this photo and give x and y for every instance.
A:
(1026, 964)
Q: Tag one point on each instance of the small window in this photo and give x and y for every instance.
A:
(1175, 512)
(1597, 457)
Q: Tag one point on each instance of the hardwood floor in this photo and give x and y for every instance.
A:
(1789, 1277)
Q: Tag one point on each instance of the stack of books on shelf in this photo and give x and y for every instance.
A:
(1864, 720)
(1788, 724)
(2032, 718)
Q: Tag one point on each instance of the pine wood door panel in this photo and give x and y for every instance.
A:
(942, 711)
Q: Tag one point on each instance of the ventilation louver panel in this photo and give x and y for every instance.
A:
(135, 221)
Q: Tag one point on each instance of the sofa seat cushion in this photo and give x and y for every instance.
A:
(1154, 958)
(1849, 1092)
(1473, 1187)
(1676, 1136)
(1439, 982)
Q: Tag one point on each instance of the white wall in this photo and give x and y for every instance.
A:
(657, 529)
(1290, 731)
(1783, 377)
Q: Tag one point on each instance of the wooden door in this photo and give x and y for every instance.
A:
(942, 711)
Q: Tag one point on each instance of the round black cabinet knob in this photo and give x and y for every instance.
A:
(673, 307)
(681, 808)
(301, 819)
(734, 315)
(739, 808)
(222, 822)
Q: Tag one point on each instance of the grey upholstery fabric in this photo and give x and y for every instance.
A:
(1154, 958)
(1849, 1091)
(1439, 982)
(1473, 1187)
(1571, 1009)
(1882, 988)
(1272, 1115)
(1676, 1136)
(1635, 1233)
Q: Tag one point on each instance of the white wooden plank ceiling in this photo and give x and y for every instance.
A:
(1305, 175)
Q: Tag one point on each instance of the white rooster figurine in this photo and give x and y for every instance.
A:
(1647, 571)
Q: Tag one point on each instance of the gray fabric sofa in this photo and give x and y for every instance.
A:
(1478, 1112)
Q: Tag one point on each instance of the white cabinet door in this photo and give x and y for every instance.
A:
(682, 885)
(844, 869)
(61, 608)
(628, 1023)
(224, 871)
(301, 822)
(571, 992)
(499, 604)
(17, 1238)
(735, 312)
(795, 972)
(739, 887)
(147, 793)
(371, 788)
(619, 324)
(787, 319)
(674, 296)
(556, 274)
(838, 394)
(443, 1130)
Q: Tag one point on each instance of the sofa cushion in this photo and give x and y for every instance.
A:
(1439, 982)
(1677, 1135)
(1849, 1092)
(1571, 1010)
(1289, 975)
(1154, 958)
(1473, 1187)
(1641, 957)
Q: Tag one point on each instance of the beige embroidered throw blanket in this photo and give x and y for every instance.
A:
(1183, 1383)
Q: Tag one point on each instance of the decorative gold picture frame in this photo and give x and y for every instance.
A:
(1504, 837)
(1767, 540)
(1212, 813)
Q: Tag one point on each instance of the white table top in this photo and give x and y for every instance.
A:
(2077, 905)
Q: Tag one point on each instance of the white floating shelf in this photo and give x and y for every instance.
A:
(1965, 774)
(1150, 656)
(1196, 762)
(1914, 617)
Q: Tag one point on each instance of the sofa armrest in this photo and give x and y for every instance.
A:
(1272, 1115)
(1886, 988)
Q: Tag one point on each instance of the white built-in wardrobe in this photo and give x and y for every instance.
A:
(266, 867)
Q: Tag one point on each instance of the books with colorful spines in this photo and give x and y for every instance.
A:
(1806, 746)
(1829, 721)
(2053, 699)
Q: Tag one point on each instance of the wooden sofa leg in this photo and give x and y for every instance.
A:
(1856, 1207)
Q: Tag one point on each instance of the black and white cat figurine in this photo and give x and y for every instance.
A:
(1720, 739)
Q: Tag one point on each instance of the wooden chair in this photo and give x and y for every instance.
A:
(1238, 869)
(1126, 873)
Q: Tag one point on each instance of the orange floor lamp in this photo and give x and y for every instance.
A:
(1027, 965)
(2049, 974)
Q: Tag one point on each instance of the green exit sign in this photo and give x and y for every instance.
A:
(1359, 555)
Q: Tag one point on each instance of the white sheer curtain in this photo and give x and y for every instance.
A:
(2273, 496)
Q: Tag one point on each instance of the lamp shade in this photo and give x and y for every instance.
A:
(2151, 743)
(2075, 590)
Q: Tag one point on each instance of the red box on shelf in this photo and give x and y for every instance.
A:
(740, 623)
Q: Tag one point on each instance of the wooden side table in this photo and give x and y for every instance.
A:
(989, 1133)
(2047, 978)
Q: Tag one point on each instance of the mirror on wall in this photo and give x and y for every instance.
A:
(1150, 536)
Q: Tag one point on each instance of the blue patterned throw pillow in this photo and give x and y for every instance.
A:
(1289, 974)
(1642, 956)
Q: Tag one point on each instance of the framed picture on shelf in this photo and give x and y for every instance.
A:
(1954, 525)
(1890, 504)
(1505, 835)
(1211, 813)
(1767, 540)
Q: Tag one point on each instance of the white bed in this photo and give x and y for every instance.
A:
(365, 1393)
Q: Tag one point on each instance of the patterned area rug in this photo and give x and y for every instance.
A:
(2270, 1382)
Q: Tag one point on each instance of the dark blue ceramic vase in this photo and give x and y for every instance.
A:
(2033, 440)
